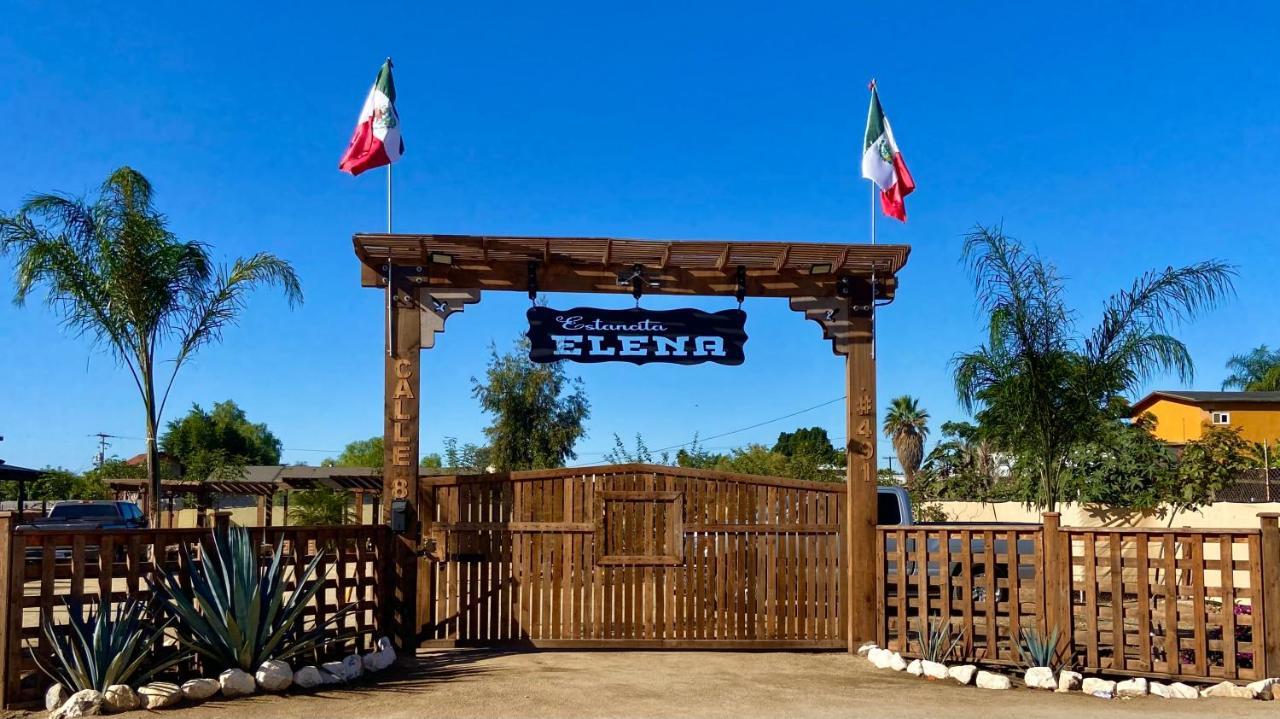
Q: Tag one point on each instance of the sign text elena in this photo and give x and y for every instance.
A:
(639, 336)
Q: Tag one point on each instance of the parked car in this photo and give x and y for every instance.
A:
(894, 508)
(85, 514)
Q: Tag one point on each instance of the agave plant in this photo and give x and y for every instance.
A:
(1037, 650)
(938, 641)
(96, 649)
(237, 613)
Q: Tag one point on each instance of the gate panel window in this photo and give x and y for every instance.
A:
(639, 528)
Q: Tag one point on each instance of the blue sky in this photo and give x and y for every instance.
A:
(1114, 137)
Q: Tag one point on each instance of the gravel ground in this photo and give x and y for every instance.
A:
(480, 683)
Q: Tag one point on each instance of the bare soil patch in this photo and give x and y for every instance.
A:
(481, 683)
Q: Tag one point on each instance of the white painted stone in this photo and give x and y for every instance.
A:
(120, 698)
(1263, 688)
(84, 703)
(236, 683)
(963, 673)
(1227, 690)
(896, 662)
(1102, 688)
(1130, 688)
(332, 673)
(991, 680)
(1040, 678)
(1069, 681)
(934, 670)
(198, 690)
(352, 667)
(55, 696)
(915, 669)
(1177, 690)
(274, 675)
(384, 655)
(862, 650)
(158, 695)
(307, 678)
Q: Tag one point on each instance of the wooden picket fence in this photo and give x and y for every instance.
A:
(41, 571)
(1190, 604)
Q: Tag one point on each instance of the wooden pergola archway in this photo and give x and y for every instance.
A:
(429, 277)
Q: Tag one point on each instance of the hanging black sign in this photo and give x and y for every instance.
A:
(639, 336)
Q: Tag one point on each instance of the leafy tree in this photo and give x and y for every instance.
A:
(1125, 465)
(360, 453)
(908, 426)
(56, 484)
(964, 466)
(1207, 466)
(1258, 370)
(695, 456)
(754, 459)
(311, 507)
(431, 461)
(538, 412)
(620, 454)
(467, 456)
(218, 443)
(810, 442)
(1037, 387)
(115, 272)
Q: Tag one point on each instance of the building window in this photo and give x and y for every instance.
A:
(1221, 417)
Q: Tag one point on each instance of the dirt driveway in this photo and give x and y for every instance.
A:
(466, 683)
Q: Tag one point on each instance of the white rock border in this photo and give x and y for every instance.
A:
(1068, 681)
(272, 676)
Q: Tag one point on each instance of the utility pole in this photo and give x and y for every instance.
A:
(102, 448)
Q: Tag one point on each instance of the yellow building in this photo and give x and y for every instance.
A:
(1181, 416)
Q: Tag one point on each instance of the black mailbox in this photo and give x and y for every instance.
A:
(399, 515)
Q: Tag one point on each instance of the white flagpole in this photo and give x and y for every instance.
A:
(390, 338)
(873, 211)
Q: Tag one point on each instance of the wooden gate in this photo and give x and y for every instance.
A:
(635, 556)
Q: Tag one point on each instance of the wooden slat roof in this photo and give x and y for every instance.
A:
(375, 249)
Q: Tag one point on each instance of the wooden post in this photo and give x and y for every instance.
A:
(358, 501)
(1055, 568)
(860, 472)
(221, 519)
(1268, 624)
(10, 595)
(402, 404)
(262, 510)
(270, 508)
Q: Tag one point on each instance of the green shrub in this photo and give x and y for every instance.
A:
(238, 613)
(938, 641)
(94, 650)
(1038, 650)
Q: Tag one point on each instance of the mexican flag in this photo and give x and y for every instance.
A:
(376, 140)
(882, 161)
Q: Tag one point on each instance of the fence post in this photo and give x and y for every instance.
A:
(222, 520)
(1055, 568)
(1268, 625)
(8, 672)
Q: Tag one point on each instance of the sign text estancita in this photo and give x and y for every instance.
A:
(638, 336)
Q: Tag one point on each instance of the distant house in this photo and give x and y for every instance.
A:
(1181, 416)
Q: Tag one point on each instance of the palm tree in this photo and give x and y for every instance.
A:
(311, 507)
(1256, 371)
(1038, 387)
(113, 271)
(908, 426)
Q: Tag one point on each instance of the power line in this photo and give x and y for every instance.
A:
(754, 426)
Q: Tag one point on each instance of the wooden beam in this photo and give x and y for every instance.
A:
(781, 262)
(608, 252)
(597, 279)
(724, 257)
(666, 257)
(860, 609)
